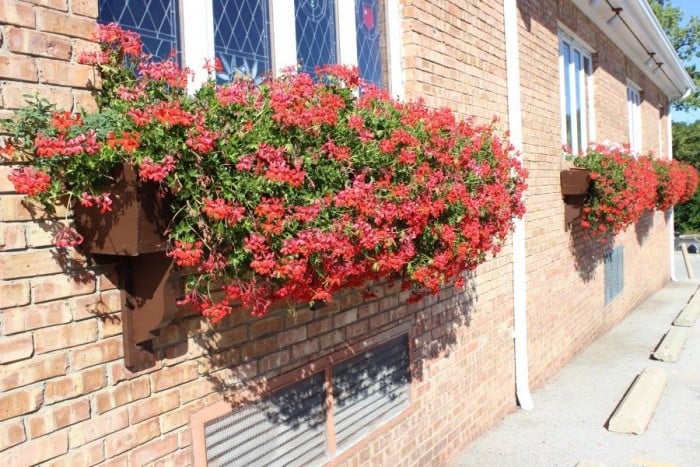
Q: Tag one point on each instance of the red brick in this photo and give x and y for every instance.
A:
(319, 327)
(344, 318)
(98, 427)
(153, 406)
(38, 450)
(94, 354)
(133, 436)
(13, 349)
(84, 101)
(14, 293)
(258, 348)
(123, 393)
(49, 288)
(18, 13)
(12, 237)
(153, 450)
(18, 68)
(66, 74)
(66, 24)
(27, 41)
(104, 306)
(85, 8)
(20, 402)
(6, 185)
(118, 372)
(74, 385)
(196, 390)
(90, 454)
(37, 369)
(11, 434)
(173, 376)
(291, 336)
(174, 419)
(305, 349)
(332, 339)
(28, 264)
(65, 336)
(297, 317)
(181, 458)
(40, 234)
(274, 361)
(266, 326)
(55, 4)
(35, 317)
(13, 97)
(57, 417)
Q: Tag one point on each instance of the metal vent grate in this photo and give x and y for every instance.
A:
(285, 428)
(242, 38)
(614, 273)
(369, 390)
(154, 20)
(315, 30)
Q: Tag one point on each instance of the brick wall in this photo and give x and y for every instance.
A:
(66, 397)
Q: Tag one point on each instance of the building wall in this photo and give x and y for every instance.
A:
(66, 397)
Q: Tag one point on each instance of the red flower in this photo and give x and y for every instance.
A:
(29, 181)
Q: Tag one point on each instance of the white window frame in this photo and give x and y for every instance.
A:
(634, 117)
(584, 93)
(197, 37)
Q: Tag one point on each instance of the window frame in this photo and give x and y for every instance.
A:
(196, 31)
(634, 117)
(583, 93)
(325, 366)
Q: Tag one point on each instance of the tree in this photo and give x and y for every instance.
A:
(686, 147)
(685, 38)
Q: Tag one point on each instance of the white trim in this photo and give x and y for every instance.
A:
(634, 117)
(515, 124)
(346, 32)
(393, 23)
(283, 38)
(196, 37)
(581, 93)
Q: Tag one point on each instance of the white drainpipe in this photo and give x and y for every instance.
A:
(671, 221)
(522, 387)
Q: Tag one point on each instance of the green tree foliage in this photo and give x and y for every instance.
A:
(685, 38)
(686, 147)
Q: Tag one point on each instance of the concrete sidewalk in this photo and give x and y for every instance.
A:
(568, 424)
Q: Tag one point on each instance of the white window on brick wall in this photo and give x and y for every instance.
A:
(634, 117)
(575, 65)
(311, 418)
(254, 37)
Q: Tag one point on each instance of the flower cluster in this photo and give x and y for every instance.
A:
(285, 191)
(624, 187)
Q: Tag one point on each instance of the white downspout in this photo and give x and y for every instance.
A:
(671, 221)
(522, 386)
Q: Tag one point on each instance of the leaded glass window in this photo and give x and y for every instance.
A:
(315, 33)
(242, 38)
(154, 20)
(371, 41)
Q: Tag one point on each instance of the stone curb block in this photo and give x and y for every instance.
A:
(672, 344)
(689, 315)
(635, 410)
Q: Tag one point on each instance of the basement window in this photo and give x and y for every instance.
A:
(614, 273)
(309, 418)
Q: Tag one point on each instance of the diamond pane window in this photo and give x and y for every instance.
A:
(371, 41)
(315, 31)
(154, 20)
(242, 38)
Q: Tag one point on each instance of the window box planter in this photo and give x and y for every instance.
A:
(131, 234)
(575, 183)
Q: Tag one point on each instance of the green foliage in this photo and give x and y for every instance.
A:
(685, 38)
(686, 147)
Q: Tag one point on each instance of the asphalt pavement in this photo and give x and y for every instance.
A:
(568, 425)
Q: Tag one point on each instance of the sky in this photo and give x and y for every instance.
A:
(689, 8)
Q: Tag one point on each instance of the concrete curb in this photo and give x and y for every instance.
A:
(689, 315)
(635, 410)
(672, 344)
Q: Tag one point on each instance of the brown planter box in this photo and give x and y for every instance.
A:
(134, 226)
(575, 183)
(132, 234)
